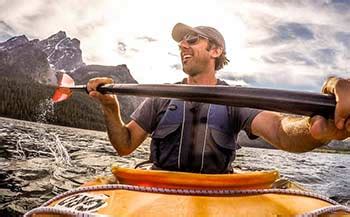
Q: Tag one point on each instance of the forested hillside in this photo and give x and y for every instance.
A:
(22, 98)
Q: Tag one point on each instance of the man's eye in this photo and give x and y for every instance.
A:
(192, 40)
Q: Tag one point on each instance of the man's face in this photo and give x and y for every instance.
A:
(194, 54)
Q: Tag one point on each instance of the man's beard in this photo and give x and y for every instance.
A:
(191, 72)
(194, 68)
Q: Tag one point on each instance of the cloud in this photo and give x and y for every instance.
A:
(288, 57)
(281, 80)
(149, 39)
(287, 33)
(339, 6)
(6, 31)
(325, 55)
(291, 31)
(283, 44)
(343, 38)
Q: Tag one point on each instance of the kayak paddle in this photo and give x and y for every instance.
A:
(294, 102)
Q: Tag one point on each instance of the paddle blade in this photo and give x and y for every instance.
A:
(66, 81)
(61, 94)
(63, 91)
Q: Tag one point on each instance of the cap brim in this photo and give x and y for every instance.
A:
(180, 30)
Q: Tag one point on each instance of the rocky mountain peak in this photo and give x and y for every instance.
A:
(13, 43)
(58, 36)
(56, 53)
(63, 53)
(53, 40)
(43, 60)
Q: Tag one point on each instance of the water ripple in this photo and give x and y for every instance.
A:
(39, 161)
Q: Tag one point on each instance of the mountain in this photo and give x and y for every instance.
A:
(119, 74)
(42, 61)
(19, 56)
(63, 53)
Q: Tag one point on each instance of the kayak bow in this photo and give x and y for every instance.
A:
(187, 194)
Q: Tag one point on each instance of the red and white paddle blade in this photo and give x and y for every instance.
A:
(66, 81)
(63, 92)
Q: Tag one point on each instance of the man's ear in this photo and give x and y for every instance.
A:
(216, 52)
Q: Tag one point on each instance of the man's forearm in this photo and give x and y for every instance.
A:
(118, 133)
(294, 135)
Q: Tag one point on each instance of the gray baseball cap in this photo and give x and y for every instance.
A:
(180, 30)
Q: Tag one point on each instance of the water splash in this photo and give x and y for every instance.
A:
(58, 150)
(43, 142)
(45, 111)
(19, 150)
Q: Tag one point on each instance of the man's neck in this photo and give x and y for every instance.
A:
(202, 79)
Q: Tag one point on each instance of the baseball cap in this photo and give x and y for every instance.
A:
(180, 30)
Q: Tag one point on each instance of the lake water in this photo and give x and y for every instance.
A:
(39, 161)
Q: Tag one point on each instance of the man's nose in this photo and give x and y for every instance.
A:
(183, 44)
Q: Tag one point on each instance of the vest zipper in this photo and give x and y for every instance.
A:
(205, 139)
(182, 133)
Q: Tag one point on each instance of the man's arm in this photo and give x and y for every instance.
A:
(285, 132)
(125, 138)
(300, 134)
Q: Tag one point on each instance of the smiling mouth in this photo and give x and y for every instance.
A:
(186, 58)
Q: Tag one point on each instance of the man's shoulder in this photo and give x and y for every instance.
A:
(157, 103)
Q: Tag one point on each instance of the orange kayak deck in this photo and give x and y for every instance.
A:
(162, 193)
(182, 180)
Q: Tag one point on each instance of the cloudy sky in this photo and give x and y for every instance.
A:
(292, 44)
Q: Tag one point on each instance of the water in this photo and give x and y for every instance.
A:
(50, 141)
(38, 161)
(45, 110)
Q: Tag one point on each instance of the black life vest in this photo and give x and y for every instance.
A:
(213, 149)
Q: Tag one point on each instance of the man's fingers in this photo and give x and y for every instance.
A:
(325, 130)
(342, 110)
(95, 82)
(347, 125)
(98, 96)
(319, 127)
(104, 99)
(95, 94)
(339, 117)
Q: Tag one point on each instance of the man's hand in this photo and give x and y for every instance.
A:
(124, 137)
(325, 130)
(339, 128)
(107, 100)
(342, 110)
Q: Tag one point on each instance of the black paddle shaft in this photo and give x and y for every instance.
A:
(294, 102)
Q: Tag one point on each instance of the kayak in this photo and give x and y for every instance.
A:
(138, 192)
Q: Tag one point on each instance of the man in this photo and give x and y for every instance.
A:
(198, 137)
